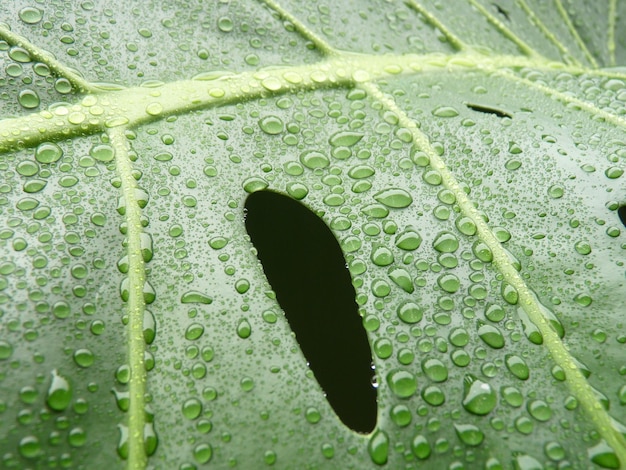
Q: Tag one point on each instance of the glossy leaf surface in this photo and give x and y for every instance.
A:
(467, 155)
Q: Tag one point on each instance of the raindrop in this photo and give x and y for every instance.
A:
(469, 434)
(378, 447)
(59, 393)
(402, 383)
(394, 198)
(479, 397)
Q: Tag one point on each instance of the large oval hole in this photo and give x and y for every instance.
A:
(306, 269)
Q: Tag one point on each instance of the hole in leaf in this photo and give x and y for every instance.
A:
(488, 110)
(502, 11)
(306, 269)
(621, 212)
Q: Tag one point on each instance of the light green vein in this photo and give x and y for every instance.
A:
(565, 53)
(574, 32)
(306, 32)
(452, 38)
(611, 31)
(136, 305)
(578, 384)
(506, 32)
(566, 99)
(39, 55)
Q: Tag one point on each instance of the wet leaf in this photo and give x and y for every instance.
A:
(468, 157)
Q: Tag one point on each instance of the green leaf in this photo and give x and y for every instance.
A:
(468, 156)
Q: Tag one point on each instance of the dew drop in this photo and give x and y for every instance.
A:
(479, 398)
(402, 383)
(517, 366)
(446, 242)
(195, 297)
(445, 112)
(313, 159)
(420, 447)
(378, 447)
(271, 125)
(59, 394)
(31, 15)
(394, 197)
(469, 434)
(490, 335)
(244, 329)
(345, 139)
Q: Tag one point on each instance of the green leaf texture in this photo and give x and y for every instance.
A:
(481, 142)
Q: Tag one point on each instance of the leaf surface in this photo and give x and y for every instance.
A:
(468, 156)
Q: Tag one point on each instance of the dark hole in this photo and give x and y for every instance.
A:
(622, 214)
(502, 11)
(306, 268)
(486, 109)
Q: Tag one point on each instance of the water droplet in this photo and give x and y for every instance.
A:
(361, 171)
(408, 240)
(378, 211)
(6, 350)
(445, 112)
(509, 293)
(539, 410)
(77, 437)
(530, 329)
(401, 415)
(194, 331)
(202, 453)
(517, 366)
(102, 152)
(383, 348)
(449, 282)
(512, 396)
(479, 397)
(446, 242)
(378, 447)
(382, 256)
(29, 447)
(469, 434)
(312, 415)
(84, 357)
(402, 383)
(435, 370)
(526, 462)
(192, 408)
(614, 172)
(490, 335)
(313, 159)
(59, 393)
(583, 247)
(555, 191)
(402, 278)
(195, 297)
(244, 329)
(420, 447)
(409, 312)
(466, 225)
(29, 99)
(345, 139)
(554, 451)
(31, 15)
(271, 125)
(394, 198)
(433, 395)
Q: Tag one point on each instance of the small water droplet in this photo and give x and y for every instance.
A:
(195, 297)
(394, 197)
(517, 366)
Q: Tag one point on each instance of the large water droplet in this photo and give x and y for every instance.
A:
(378, 447)
(394, 198)
(402, 383)
(59, 393)
(479, 397)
